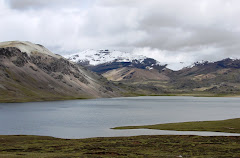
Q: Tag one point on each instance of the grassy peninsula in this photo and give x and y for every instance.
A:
(229, 126)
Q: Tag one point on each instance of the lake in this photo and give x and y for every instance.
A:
(95, 117)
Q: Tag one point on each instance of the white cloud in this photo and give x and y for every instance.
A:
(172, 31)
(174, 60)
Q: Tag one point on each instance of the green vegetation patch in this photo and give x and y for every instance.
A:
(139, 146)
(230, 126)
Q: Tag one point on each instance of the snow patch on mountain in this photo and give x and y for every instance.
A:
(96, 57)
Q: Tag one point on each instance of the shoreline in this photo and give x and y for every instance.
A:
(24, 100)
(215, 128)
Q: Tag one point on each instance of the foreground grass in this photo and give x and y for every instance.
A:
(139, 146)
(229, 126)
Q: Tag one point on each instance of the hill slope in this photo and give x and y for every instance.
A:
(134, 74)
(30, 72)
(215, 77)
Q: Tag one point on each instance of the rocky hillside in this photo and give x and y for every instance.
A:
(30, 72)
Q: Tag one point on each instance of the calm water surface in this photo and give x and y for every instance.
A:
(94, 118)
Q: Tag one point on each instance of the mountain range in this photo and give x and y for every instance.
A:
(30, 72)
(147, 76)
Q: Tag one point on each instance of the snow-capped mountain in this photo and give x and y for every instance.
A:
(101, 61)
(96, 57)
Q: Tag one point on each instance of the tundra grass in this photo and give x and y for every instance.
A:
(138, 146)
(229, 126)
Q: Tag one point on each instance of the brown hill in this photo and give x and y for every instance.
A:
(218, 77)
(134, 74)
(30, 72)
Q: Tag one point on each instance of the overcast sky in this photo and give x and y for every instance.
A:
(172, 31)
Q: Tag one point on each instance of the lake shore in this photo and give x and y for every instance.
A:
(26, 100)
(135, 146)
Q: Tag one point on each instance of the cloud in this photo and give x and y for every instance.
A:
(180, 59)
(171, 31)
(24, 4)
(39, 4)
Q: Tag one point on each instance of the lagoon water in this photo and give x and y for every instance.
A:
(95, 117)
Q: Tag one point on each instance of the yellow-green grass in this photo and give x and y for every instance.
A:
(138, 146)
(192, 94)
(26, 94)
(34, 96)
(230, 126)
(25, 99)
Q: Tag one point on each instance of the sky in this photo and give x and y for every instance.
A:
(175, 32)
